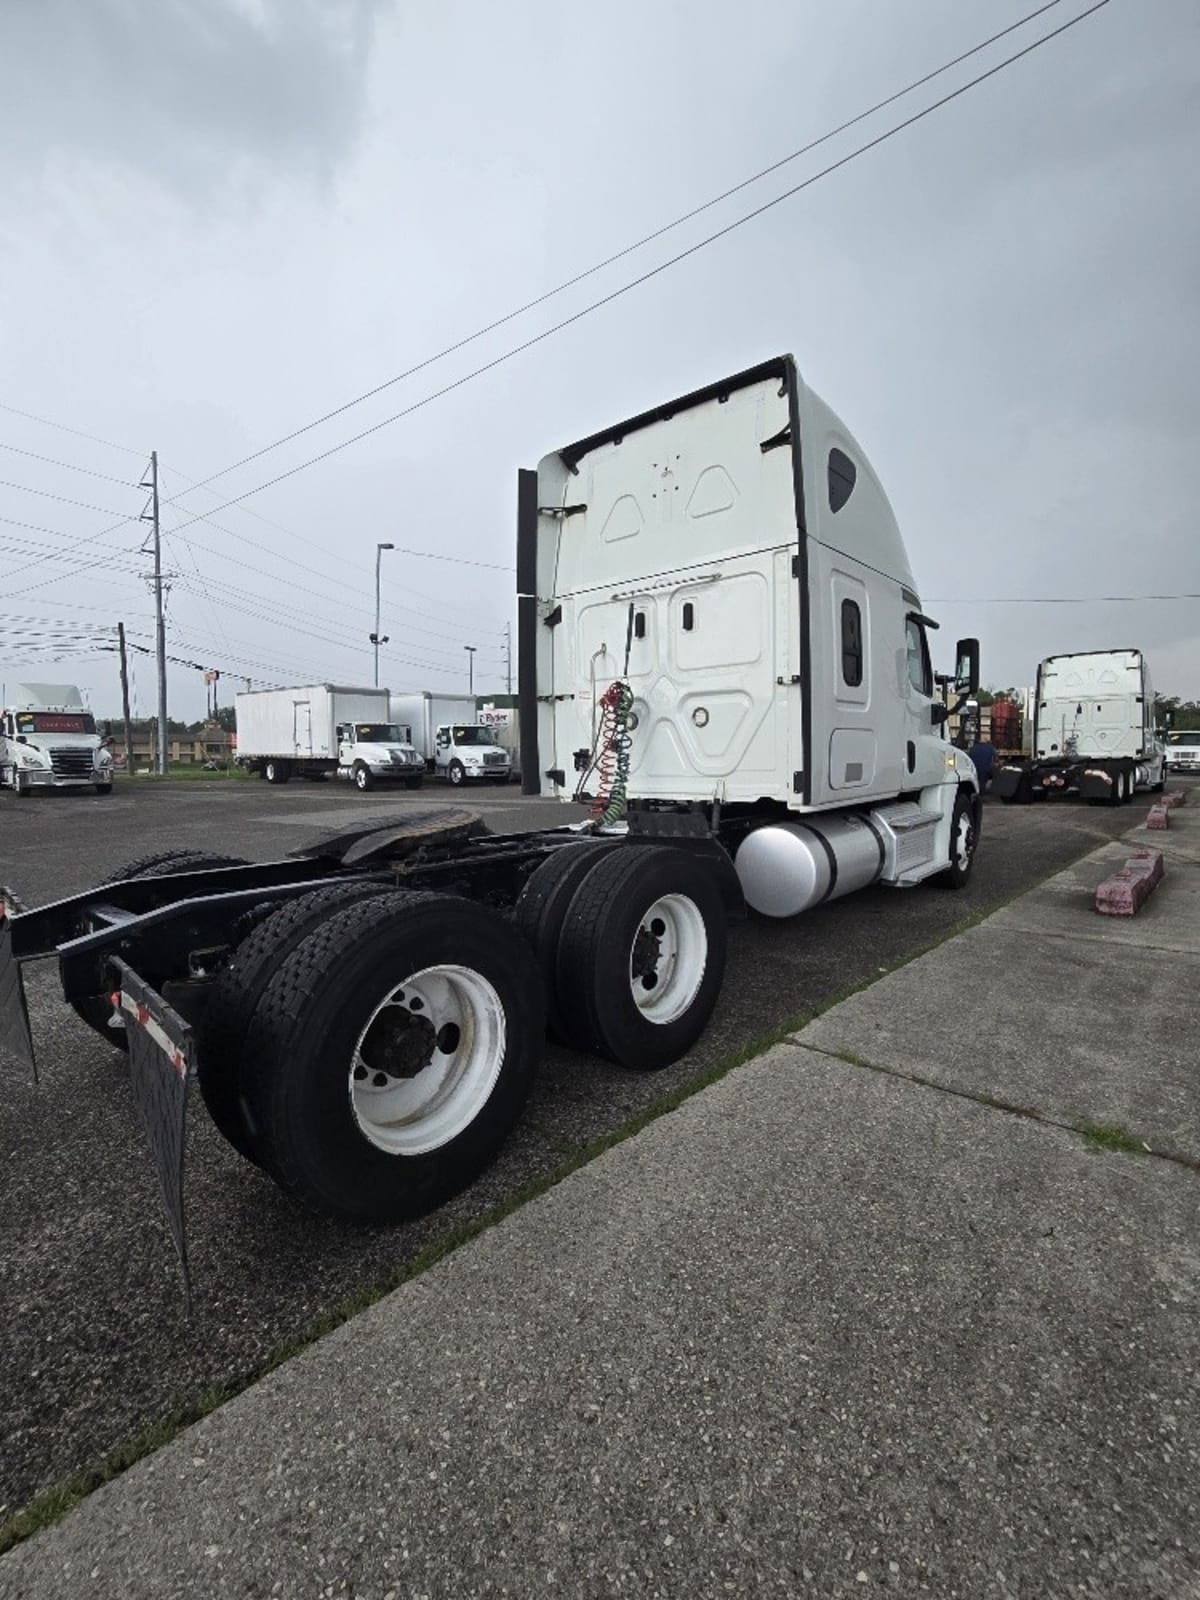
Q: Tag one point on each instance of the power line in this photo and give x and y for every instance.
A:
(664, 266)
(291, 533)
(83, 505)
(629, 249)
(562, 287)
(78, 432)
(175, 533)
(293, 621)
(71, 466)
(459, 561)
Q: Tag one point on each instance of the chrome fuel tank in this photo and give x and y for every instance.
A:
(789, 867)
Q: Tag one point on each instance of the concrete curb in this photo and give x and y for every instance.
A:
(1124, 894)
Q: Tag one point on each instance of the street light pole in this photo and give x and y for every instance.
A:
(379, 549)
(470, 649)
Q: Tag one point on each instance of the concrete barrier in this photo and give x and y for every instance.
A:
(1126, 891)
(1158, 817)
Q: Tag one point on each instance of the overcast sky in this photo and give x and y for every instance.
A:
(220, 219)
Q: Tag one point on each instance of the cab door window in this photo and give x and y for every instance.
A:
(920, 671)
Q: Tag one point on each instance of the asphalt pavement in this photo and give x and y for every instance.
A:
(842, 1323)
(96, 1348)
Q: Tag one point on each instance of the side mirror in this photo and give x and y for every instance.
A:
(966, 671)
(939, 715)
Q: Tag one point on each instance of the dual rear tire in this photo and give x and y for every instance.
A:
(371, 1048)
(389, 1052)
(632, 943)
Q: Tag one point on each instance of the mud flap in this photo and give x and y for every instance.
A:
(15, 1037)
(161, 1062)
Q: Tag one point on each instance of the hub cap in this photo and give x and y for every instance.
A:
(668, 958)
(427, 1060)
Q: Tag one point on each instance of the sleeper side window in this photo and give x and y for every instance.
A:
(842, 476)
(920, 672)
(852, 644)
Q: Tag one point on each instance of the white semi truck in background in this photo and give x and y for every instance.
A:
(48, 740)
(319, 728)
(449, 734)
(723, 656)
(1094, 732)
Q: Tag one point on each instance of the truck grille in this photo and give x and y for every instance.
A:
(495, 759)
(72, 763)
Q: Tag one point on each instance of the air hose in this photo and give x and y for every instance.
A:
(614, 743)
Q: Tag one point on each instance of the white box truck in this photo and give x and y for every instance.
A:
(1093, 732)
(320, 728)
(724, 655)
(455, 743)
(48, 740)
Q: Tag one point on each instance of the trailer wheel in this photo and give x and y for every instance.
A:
(236, 994)
(95, 1009)
(641, 956)
(457, 773)
(277, 771)
(964, 840)
(542, 906)
(363, 779)
(391, 1053)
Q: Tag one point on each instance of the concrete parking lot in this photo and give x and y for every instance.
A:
(97, 1348)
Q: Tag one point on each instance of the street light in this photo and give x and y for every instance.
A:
(375, 639)
(470, 649)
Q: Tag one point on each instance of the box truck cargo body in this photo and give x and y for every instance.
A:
(455, 743)
(320, 728)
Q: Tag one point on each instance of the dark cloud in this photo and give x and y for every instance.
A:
(190, 93)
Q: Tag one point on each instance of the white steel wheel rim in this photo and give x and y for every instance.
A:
(668, 958)
(454, 1030)
(360, 777)
(963, 842)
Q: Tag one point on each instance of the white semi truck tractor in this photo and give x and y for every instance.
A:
(1094, 732)
(724, 656)
(48, 740)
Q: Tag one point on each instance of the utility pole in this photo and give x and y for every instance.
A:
(508, 655)
(160, 631)
(470, 649)
(375, 639)
(125, 699)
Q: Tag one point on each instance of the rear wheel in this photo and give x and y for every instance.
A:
(641, 956)
(542, 907)
(235, 996)
(277, 771)
(391, 1054)
(96, 1010)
